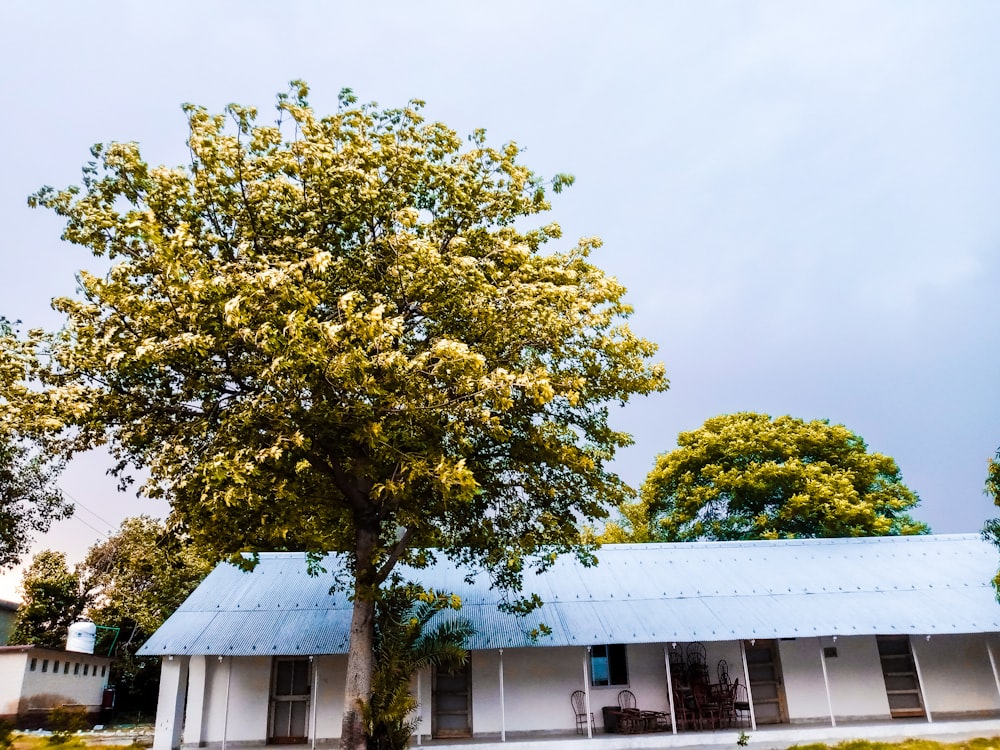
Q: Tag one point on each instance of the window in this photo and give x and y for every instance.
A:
(608, 665)
(34, 664)
(55, 667)
(103, 668)
(85, 668)
(45, 665)
(65, 667)
(76, 668)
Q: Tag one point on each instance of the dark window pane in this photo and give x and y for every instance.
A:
(618, 665)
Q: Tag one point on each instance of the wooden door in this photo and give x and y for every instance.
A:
(902, 686)
(766, 685)
(451, 703)
(290, 693)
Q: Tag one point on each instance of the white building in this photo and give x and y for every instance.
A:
(35, 680)
(825, 631)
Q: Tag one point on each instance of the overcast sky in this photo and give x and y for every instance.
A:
(800, 197)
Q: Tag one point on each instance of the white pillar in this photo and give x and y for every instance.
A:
(826, 684)
(170, 703)
(670, 691)
(225, 713)
(503, 711)
(993, 665)
(420, 705)
(746, 676)
(312, 699)
(920, 680)
(586, 692)
(195, 713)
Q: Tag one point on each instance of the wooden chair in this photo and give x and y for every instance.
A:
(722, 671)
(724, 693)
(741, 704)
(709, 710)
(697, 667)
(696, 653)
(579, 701)
(685, 712)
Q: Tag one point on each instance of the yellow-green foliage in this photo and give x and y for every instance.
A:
(344, 319)
(750, 476)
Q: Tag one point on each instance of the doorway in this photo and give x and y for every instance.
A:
(289, 709)
(451, 702)
(764, 674)
(902, 686)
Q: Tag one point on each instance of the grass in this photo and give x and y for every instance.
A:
(981, 743)
(76, 742)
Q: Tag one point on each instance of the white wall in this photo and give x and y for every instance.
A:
(857, 689)
(957, 677)
(956, 672)
(537, 687)
(331, 674)
(55, 688)
(236, 704)
(249, 690)
(12, 668)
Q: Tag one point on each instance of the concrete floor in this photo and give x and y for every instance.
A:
(774, 737)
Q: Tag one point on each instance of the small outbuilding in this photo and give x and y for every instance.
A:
(34, 680)
(800, 632)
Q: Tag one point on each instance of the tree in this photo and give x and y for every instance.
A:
(136, 579)
(29, 498)
(991, 530)
(336, 333)
(748, 476)
(53, 598)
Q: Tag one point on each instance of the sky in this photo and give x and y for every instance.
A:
(801, 198)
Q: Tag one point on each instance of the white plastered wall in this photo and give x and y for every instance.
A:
(957, 677)
(330, 673)
(236, 704)
(249, 689)
(538, 683)
(53, 687)
(857, 690)
(537, 687)
(12, 669)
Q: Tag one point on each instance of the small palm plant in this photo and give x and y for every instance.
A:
(407, 641)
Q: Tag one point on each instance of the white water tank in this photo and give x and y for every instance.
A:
(81, 637)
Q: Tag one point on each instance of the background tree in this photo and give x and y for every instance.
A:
(29, 498)
(748, 476)
(137, 578)
(53, 598)
(337, 333)
(991, 531)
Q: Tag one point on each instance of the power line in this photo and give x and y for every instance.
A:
(81, 505)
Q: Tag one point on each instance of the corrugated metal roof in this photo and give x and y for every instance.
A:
(647, 593)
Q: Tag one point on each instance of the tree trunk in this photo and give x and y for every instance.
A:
(361, 646)
(360, 664)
